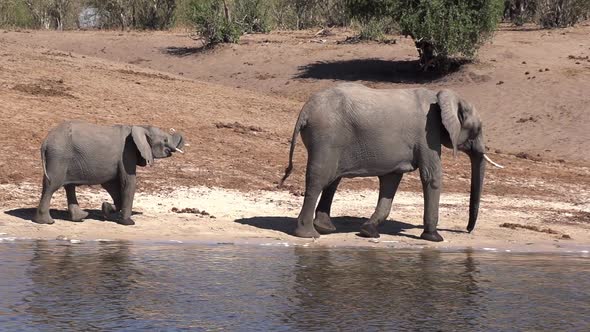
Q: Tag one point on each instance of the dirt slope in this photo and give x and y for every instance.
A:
(542, 114)
(239, 136)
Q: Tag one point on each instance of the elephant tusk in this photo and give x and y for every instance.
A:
(172, 130)
(492, 162)
(178, 150)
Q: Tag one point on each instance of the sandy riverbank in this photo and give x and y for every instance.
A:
(268, 217)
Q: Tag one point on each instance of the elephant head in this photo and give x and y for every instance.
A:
(464, 128)
(154, 143)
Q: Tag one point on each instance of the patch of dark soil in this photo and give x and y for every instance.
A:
(238, 127)
(147, 75)
(357, 39)
(530, 118)
(138, 61)
(578, 57)
(546, 230)
(45, 89)
(570, 218)
(186, 51)
(264, 76)
(528, 156)
(57, 53)
(198, 212)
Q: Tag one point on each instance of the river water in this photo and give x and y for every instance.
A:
(97, 286)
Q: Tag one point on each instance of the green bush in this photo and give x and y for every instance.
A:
(547, 13)
(445, 28)
(373, 29)
(304, 14)
(440, 28)
(14, 13)
(562, 13)
(252, 15)
(224, 21)
(212, 20)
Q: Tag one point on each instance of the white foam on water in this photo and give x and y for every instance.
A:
(490, 249)
(9, 238)
(75, 241)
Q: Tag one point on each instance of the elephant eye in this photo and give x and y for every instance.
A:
(166, 140)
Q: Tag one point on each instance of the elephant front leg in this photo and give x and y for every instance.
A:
(127, 195)
(322, 221)
(76, 213)
(388, 185)
(431, 187)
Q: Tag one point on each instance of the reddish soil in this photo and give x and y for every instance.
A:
(237, 104)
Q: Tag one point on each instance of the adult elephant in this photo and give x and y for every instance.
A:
(351, 130)
(79, 153)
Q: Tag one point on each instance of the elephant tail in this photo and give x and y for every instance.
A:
(43, 160)
(301, 122)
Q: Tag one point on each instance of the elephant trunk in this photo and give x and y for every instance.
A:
(478, 167)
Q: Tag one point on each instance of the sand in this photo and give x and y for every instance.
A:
(237, 104)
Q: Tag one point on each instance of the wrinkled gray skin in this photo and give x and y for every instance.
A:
(78, 153)
(352, 130)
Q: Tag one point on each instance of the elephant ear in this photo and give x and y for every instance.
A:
(141, 141)
(450, 113)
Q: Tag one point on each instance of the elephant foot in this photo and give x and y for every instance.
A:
(125, 221)
(306, 232)
(77, 214)
(431, 236)
(369, 229)
(107, 210)
(43, 219)
(323, 224)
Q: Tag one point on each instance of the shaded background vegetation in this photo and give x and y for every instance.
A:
(441, 29)
(263, 15)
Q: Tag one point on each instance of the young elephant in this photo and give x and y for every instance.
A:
(352, 130)
(78, 153)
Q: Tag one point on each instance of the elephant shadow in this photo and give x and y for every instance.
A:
(344, 224)
(373, 70)
(28, 213)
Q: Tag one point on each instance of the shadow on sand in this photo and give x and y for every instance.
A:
(373, 70)
(345, 224)
(185, 51)
(28, 213)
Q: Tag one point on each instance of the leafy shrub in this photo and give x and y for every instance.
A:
(224, 21)
(562, 13)
(14, 13)
(547, 13)
(252, 15)
(303, 14)
(213, 21)
(374, 29)
(136, 14)
(443, 28)
(440, 28)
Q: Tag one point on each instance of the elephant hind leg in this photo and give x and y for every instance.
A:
(114, 190)
(388, 185)
(322, 221)
(76, 213)
(42, 215)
